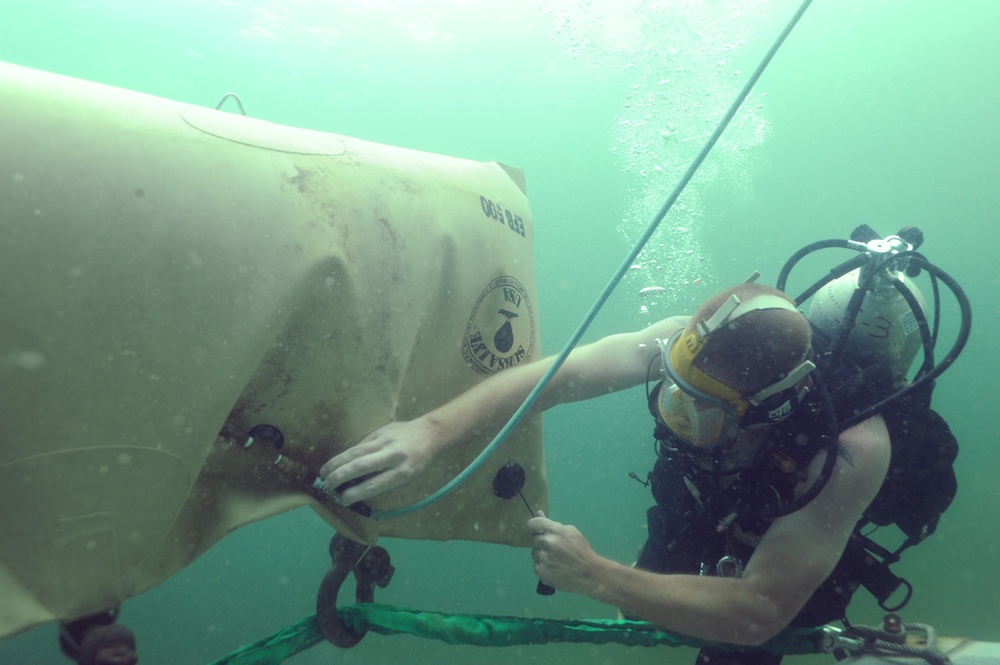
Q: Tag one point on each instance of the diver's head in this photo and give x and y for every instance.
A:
(886, 329)
(742, 362)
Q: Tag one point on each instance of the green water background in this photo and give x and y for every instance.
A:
(880, 112)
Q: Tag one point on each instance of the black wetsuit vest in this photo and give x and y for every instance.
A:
(702, 526)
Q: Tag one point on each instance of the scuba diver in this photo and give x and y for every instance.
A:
(779, 439)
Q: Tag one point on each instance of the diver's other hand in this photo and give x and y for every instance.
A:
(387, 458)
(563, 557)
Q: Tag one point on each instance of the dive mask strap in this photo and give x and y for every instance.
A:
(734, 308)
(794, 376)
(717, 320)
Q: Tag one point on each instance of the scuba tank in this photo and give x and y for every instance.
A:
(870, 310)
(886, 330)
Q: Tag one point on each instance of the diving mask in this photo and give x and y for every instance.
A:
(704, 412)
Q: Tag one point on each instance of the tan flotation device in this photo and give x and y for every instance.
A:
(173, 276)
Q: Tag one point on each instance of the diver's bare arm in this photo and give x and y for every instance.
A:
(398, 452)
(613, 363)
(796, 554)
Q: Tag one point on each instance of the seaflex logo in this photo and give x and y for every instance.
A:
(501, 330)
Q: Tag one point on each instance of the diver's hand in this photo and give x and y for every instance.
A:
(387, 458)
(563, 557)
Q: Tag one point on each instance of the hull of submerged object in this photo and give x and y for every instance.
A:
(174, 276)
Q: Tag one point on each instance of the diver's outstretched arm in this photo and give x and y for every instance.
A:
(395, 454)
(797, 553)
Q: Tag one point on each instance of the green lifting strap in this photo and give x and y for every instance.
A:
(493, 631)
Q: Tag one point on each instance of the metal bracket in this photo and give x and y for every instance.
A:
(371, 567)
